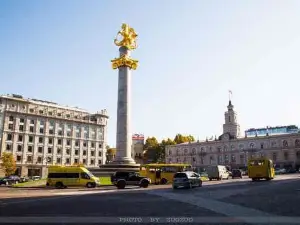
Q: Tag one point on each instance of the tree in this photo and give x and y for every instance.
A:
(179, 138)
(151, 142)
(8, 163)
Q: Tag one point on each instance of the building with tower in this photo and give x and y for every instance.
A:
(281, 144)
(40, 133)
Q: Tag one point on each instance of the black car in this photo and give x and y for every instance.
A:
(121, 179)
(9, 180)
(236, 173)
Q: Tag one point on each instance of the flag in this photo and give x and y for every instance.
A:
(230, 92)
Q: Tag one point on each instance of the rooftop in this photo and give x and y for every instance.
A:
(47, 103)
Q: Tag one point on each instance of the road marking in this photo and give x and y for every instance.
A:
(247, 214)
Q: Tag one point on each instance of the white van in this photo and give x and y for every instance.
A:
(217, 172)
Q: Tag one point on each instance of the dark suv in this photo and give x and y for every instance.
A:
(236, 173)
(121, 179)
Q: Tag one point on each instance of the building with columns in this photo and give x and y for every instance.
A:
(281, 144)
(41, 133)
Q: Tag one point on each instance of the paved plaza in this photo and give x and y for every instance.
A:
(232, 201)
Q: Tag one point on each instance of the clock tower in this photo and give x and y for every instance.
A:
(231, 125)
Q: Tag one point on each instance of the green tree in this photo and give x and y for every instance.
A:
(151, 142)
(8, 163)
(179, 138)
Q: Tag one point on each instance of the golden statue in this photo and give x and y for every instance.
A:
(129, 37)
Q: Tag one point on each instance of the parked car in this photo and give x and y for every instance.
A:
(235, 173)
(218, 172)
(10, 180)
(187, 179)
(121, 179)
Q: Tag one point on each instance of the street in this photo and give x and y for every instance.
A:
(238, 201)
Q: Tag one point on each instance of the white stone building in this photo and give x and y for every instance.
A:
(232, 150)
(41, 133)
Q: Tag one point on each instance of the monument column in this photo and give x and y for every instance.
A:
(124, 64)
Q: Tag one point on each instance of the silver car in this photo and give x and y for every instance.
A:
(187, 179)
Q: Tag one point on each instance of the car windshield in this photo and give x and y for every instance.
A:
(180, 175)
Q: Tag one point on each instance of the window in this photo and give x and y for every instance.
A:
(63, 175)
(99, 162)
(67, 160)
(84, 152)
(8, 147)
(10, 126)
(85, 176)
(49, 160)
(274, 156)
(68, 151)
(77, 143)
(39, 159)
(32, 122)
(84, 144)
(9, 137)
(100, 145)
(40, 140)
(40, 149)
(21, 128)
(76, 152)
(29, 159)
(99, 153)
(92, 162)
(20, 138)
(92, 153)
(31, 129)
(19, 158)
(41, 130)
(59, 141)
(68, 142)
(41, 111)
(50, 141)
(30, 139)
(286, 156)
(92, 145)
(11, 118)
(60, 132)
(58, 160)
(21, 120)
(76, 161)
(58, 150)
(31, 110)
(49, 150)
(84, 161)
(51, 131)
(19, 148)
(261, 145)
(30, 148)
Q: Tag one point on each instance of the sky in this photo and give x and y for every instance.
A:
(191, 54)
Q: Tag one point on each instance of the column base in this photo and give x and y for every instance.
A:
(123, 160)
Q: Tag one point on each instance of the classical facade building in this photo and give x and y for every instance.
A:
(41, 133)
(281, 144)
(138, 148)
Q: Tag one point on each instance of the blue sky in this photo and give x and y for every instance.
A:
(191, 53)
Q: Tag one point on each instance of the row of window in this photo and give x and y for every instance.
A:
(50, 150)
(69, 131)
(48, 160)
(9, 137)
(232, 147)
(232, 158)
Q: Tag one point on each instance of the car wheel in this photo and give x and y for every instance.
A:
(200, 184)
(121, 184)
(59, 185)
(90, 185)
(163, 181)
(144, 184)
(175, 187)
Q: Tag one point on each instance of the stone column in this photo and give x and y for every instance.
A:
(124, 137)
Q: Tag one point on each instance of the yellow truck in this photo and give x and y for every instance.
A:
(65, 176)
(261, 168)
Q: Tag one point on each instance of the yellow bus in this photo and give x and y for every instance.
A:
(261, 168)
(64, 176)
(162, 173)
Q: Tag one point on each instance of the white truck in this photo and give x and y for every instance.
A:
(217, 172)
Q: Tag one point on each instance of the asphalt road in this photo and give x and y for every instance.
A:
(233, 201)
